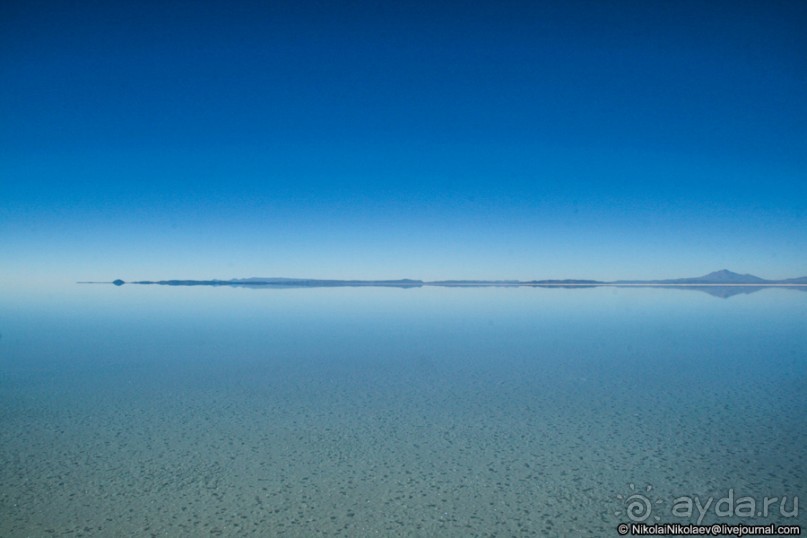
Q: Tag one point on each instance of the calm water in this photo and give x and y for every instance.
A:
(147, 410)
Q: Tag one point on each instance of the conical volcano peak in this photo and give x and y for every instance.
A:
(729, 277)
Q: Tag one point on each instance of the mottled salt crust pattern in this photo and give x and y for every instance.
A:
(393, 451)
(440, 413)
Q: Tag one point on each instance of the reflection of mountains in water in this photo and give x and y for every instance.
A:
(723, 284)
(274, 283)
(724, 292)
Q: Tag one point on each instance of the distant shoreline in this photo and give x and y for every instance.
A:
(723, 284)
(443, 285)
(718, 279)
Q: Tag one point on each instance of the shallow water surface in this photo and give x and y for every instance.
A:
(188, 411)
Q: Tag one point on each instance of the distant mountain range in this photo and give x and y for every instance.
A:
(723, 278)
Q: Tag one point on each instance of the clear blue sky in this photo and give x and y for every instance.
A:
(402, 139)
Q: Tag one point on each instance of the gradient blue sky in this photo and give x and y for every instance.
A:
(402, 139)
